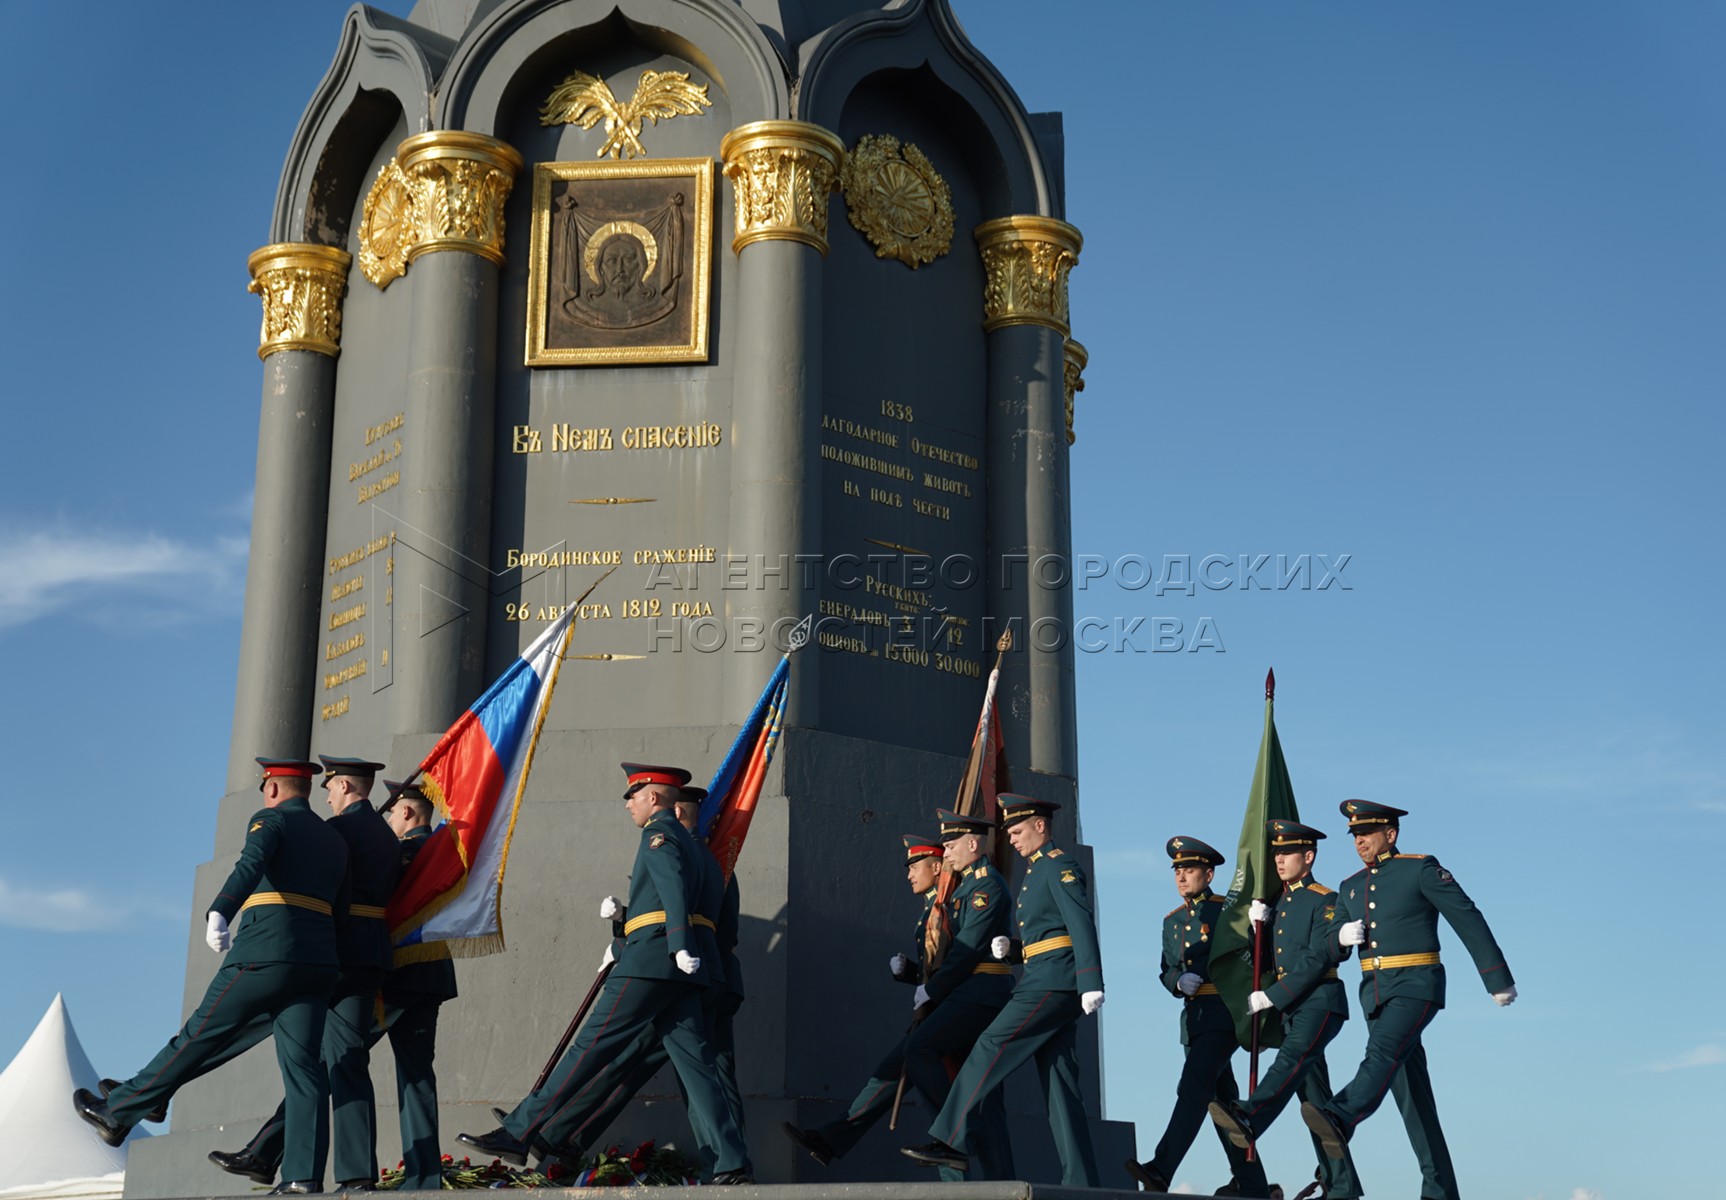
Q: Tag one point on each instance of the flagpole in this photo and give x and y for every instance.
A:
(1258, 943)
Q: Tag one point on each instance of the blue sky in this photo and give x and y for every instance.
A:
(1435, 286)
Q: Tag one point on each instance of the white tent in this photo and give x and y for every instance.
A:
(46, 1149)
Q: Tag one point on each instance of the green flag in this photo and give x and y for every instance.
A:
(1255, 878)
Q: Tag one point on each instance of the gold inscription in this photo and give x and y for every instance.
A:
(348, 615)
(952, 458)
(671, 437)
(552, 559)
(356, 556)
(374, 432)
(349, 673)
(525, 439)
(389, 453)
(940, 483)
(372, 491)
(567, 438)
(334, 650)
(926, 508)
(337, 708)
(863, 433)
(339, 590)
(868, 462)
(682, 554)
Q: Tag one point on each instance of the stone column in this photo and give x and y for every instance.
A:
(782, 175)
(1026, 260)
(301, 286)
(458, 182)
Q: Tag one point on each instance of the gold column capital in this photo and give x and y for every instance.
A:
(1074, 356)
(1027, 260)
(459, 182)
(301, 285)
(782, 174)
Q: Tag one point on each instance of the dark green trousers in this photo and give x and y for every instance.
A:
(949, 1031)
(413, 1038)
(1032, 1025)
(1300, 1069)
(1396, 1062)
(598, 1062)
(1206, 1076)
(293, 998)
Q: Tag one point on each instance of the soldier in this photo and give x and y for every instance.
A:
(1308, 995)
(656, 983)
(1063, 981)
(412, 993)
(1207, 1029)
(923, 862)
(719, 1004)
(1391, 911)
(291, 877)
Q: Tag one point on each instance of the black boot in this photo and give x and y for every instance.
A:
(245, 1164)
(95, 1110)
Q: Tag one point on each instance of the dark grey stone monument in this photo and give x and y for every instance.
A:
(765, 305)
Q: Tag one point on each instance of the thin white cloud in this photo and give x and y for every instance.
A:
(50, 572)
(75, 910)
(1585, 1194)
(1708, 1054)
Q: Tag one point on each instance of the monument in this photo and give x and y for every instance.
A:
(762, 304)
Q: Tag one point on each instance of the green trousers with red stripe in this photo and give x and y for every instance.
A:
(1395, 1062)
(1032, 1025)
(295, 999)
(1300, 1070)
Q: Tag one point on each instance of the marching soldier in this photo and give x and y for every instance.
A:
(1391, 910)
(1063, 981)
(291, 878)
(836, 1139)
(720, 1001)
(1306, 992)
(412, 993)
(656, 983)
(1207, 1029)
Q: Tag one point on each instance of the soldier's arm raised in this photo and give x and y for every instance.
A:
(263, 836)
(1440, 887)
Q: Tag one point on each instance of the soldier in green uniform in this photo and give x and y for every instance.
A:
(720, 1001)
(656, 983)
(412, 993)
(923, 864)
(290, 880)
(1063, 981)
(1391, 910)
(1306, 992)
(1207, 1029)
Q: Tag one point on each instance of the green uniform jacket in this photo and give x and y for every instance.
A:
(913, 973)
(1400, 898)
(374, 865)
(294, 870)
(1187, 948)
(707, 902)
(1054, 902)
(969, 973)
(433, 979)
(730, 920)
(1304, 976)
(666, 879)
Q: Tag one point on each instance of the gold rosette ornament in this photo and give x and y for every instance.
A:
(386, 226)
(896, 199)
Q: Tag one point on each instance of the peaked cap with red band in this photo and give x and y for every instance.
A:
(675, 777)
(918, 847)
(289, 768)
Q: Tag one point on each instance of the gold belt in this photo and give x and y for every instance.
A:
(1062, 942)
(658, 918)
(991, 968)
(1206, 989)
(1385, 962)
(1330, 974)
(366, 910)
(260, 899)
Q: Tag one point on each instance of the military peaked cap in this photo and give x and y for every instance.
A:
(1190, 852)
(953, 825)
(334, 766)
(1016, 808)
(918, 847)
(1292, 833)
(1364, 814)
(291, 768)
(641, 774)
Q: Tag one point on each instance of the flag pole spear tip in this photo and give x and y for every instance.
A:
(1005, 643)
(1270, 685)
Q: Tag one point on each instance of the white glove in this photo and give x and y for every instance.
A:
(1259, 912)
(1189, 984)
(1000, 947)
(608, 959)
(1258, 1002)
(921, 996)
(1091, 1002)
(1352, 934)
(897, 965)
(687, 962)
(1505, 998)
(216, 935)
(609, 908)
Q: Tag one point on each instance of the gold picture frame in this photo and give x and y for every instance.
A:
(621, 266)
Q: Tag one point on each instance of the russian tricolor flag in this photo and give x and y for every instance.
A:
(453, 892)
(731, 797)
